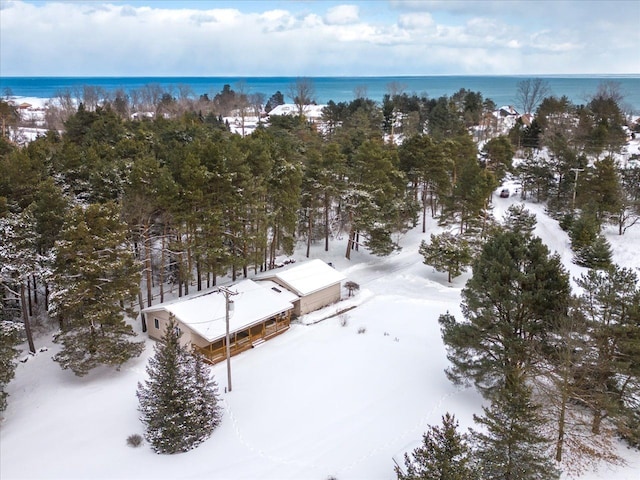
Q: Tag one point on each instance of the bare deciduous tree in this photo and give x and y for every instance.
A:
(609, 90)
(91, 96)
(302, 93)
(531, 92)
(360, 91)
(257, 101)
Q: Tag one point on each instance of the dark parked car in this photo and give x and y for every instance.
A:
(504, 193)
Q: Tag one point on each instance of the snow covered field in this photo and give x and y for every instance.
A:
(321, 400)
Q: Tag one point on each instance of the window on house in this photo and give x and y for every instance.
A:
(156, 323)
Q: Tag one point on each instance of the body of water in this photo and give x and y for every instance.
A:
(501, 89)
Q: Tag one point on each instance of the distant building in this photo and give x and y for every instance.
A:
(506, 117)
(313, 113)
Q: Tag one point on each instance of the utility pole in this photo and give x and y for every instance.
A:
(228, 303)
(575, 184)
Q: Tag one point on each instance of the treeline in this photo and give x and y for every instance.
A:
(98, 218)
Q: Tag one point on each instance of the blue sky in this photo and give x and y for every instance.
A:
(315, 37)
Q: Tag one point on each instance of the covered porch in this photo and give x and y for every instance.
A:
(249, 337)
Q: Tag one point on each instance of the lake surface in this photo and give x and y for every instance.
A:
(500, 89)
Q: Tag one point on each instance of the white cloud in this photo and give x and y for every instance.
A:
(416, 21)
(342, 15)
(124, 38)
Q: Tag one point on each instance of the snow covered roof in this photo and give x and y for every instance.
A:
(308, 277)
(280, 290)
(310, 111)
(205, 313)
(506, 110)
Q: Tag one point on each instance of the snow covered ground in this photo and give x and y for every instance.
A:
(321, 400)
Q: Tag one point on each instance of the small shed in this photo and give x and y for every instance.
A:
(315, 283)
(259, 313)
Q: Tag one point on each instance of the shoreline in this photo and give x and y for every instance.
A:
(501, 89)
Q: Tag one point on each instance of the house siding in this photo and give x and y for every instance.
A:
(320, 299)
(314, 301)
(188, 337)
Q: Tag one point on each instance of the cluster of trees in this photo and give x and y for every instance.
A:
(98, 218)
(577, 170)
(560, 371)
(567, 161)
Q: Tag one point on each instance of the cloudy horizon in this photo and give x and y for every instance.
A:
(318, 38)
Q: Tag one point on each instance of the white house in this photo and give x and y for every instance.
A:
(260, 310)
(258, 313)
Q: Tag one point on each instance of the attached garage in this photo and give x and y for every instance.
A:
(315, 283)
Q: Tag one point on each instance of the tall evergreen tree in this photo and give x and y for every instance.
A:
(10, 338)
(498, 156)
(471, 185)
(94, 274)
(444, 455)
(19, 261)
(179, 403)
(516, 290)
(424, 162)
(511, 445)
(377, 204)
(610, 373)
(629, 211)
(599, 190)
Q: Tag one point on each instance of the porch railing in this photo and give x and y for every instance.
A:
(244, 340)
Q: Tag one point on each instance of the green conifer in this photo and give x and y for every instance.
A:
(444, 455)
(9, 339)
(596, 255)
(447, 253)
(510, 302)
(511, 446)
(94, 276)
(179, 403)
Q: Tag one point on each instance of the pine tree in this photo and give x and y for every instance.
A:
(10, 338)
(610, 372)
(498, 156)
(179, 403)
(516, 291)
(597, 255)
(444, 455)
(470, 191)
(19, 260)
(583, 232)
(377, 204)
(446, 253)
(427, 168)
(511, 446)
(94, 275)
(519, 220)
